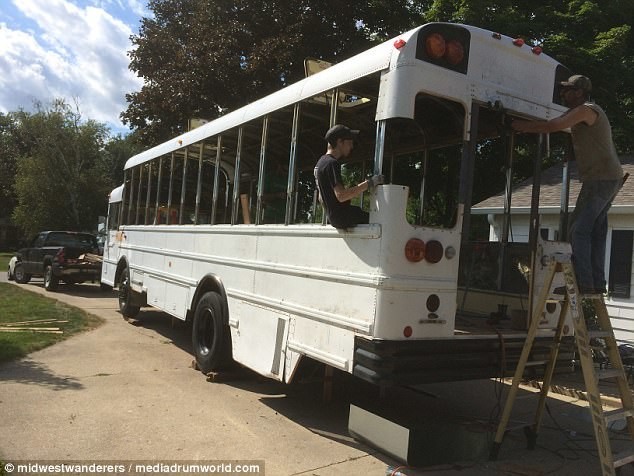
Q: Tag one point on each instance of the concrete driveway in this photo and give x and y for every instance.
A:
(126, 391)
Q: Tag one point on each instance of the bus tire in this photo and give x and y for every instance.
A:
(51, 282)
(125, 296)
(211, 337)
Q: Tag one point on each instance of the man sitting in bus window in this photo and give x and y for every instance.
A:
(334, 196)
(600, 172)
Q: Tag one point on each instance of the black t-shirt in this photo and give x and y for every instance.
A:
(327, 176)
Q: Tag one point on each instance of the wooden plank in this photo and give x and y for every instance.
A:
(17, 329)
(39, 321)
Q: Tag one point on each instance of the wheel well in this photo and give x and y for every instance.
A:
(209, 283)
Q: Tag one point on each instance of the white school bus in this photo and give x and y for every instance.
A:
(221, 225)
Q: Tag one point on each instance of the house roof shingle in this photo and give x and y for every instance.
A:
(550, 192)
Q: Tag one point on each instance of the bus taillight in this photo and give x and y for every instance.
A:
(455, 52)
(435, 46)
(434, 251)
(415, 250)
(444, 45)
(407, 331)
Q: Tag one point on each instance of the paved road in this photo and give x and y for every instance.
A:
(126, 391)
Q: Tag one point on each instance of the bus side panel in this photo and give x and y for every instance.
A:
(327, 284)
(333, 346)
(259, 338)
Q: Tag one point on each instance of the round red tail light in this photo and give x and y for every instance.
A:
(435, 46)
(398, 44)
(536, 50)
(415, 250)
(454, 52)
(433, 251)
(407, 331)
(518, 42)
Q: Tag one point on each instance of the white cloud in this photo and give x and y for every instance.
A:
(78, 53)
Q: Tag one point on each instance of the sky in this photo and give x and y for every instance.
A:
(71, 49)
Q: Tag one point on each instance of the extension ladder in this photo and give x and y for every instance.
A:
(610, 463)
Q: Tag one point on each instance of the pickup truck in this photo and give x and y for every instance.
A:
(59, 256)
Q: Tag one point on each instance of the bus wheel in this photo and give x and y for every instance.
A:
(211, 337)
(125, 296)
(51, 281)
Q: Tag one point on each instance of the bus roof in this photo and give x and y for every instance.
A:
(370, 61)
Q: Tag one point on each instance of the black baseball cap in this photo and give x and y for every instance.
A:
(339, 131)
(578, 81)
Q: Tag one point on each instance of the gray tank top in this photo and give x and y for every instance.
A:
(594, 149)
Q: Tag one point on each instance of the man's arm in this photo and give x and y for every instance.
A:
(573, 117)
(344, 194)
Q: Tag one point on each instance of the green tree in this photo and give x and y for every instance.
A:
(57, 183)
(8, 164)
(112, 158)
(201, 58)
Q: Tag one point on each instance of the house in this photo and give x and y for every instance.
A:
(620, 238)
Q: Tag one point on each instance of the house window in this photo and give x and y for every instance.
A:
(621, 263)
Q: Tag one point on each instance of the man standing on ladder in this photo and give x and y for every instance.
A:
(600, 172)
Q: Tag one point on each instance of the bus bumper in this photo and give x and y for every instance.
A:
(389, 362)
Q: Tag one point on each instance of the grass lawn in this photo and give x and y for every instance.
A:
(23, 309)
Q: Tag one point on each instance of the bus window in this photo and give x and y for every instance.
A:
(424, 154)
(251, 144)
(176, 187)
(207, 175)
(276, 166)
(162, 187)
(126, 196)
(150, 200)
(142, 192)
(314, 121)
(355, 106)
(114, 211)
(190, 176)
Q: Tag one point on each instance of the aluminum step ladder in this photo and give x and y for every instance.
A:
(610, 462)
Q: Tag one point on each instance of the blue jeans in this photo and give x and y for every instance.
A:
(589, 229)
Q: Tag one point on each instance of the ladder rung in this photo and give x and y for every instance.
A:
(618, 414)
(610, 373)
(623, 458)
